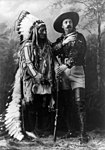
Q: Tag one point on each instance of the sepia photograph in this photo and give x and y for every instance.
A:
(52, 75)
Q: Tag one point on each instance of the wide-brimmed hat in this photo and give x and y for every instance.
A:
(58, 22)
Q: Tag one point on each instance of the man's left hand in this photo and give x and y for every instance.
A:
(60, 69)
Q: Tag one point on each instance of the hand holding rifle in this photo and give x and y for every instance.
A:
(60, 69)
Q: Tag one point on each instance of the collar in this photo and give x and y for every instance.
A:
(70, 34)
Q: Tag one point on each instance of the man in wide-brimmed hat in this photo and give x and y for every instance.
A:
(70, 50)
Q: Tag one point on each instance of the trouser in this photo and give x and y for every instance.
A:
(36, 114)
(29, 117)
(41, 108)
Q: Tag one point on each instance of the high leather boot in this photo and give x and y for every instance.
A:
(68, 104)
(81, 112)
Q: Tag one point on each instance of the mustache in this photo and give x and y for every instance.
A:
(69, 26)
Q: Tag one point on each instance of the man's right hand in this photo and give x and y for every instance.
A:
(70, 38)
(38, 77)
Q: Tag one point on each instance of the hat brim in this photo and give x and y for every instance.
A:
(68, 15)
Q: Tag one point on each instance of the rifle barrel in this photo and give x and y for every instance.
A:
(56, 115)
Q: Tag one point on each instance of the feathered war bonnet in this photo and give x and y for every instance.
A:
(27, 25)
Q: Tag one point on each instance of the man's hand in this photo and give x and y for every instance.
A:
(68, 39)
(51, 105)
(38, 77)
(60, 69)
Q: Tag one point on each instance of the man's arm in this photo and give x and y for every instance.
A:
(28, 61)
(60, 42)
(33, 72)
(57, 46)
(82, 49)
(79, 50)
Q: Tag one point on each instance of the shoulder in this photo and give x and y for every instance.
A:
(49, 42)
(27, 43)
(80, 36)
(59, 39)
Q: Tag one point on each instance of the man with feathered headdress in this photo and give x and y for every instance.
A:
(34, 78)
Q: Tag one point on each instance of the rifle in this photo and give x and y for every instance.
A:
(56, 115)
(57, 63)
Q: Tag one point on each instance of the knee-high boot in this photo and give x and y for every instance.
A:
(81, 112)
(68, 104)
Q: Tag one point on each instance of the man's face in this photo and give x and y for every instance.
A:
(42, 32)
(67, 25)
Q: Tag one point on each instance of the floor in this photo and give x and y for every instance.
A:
(96, 142)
